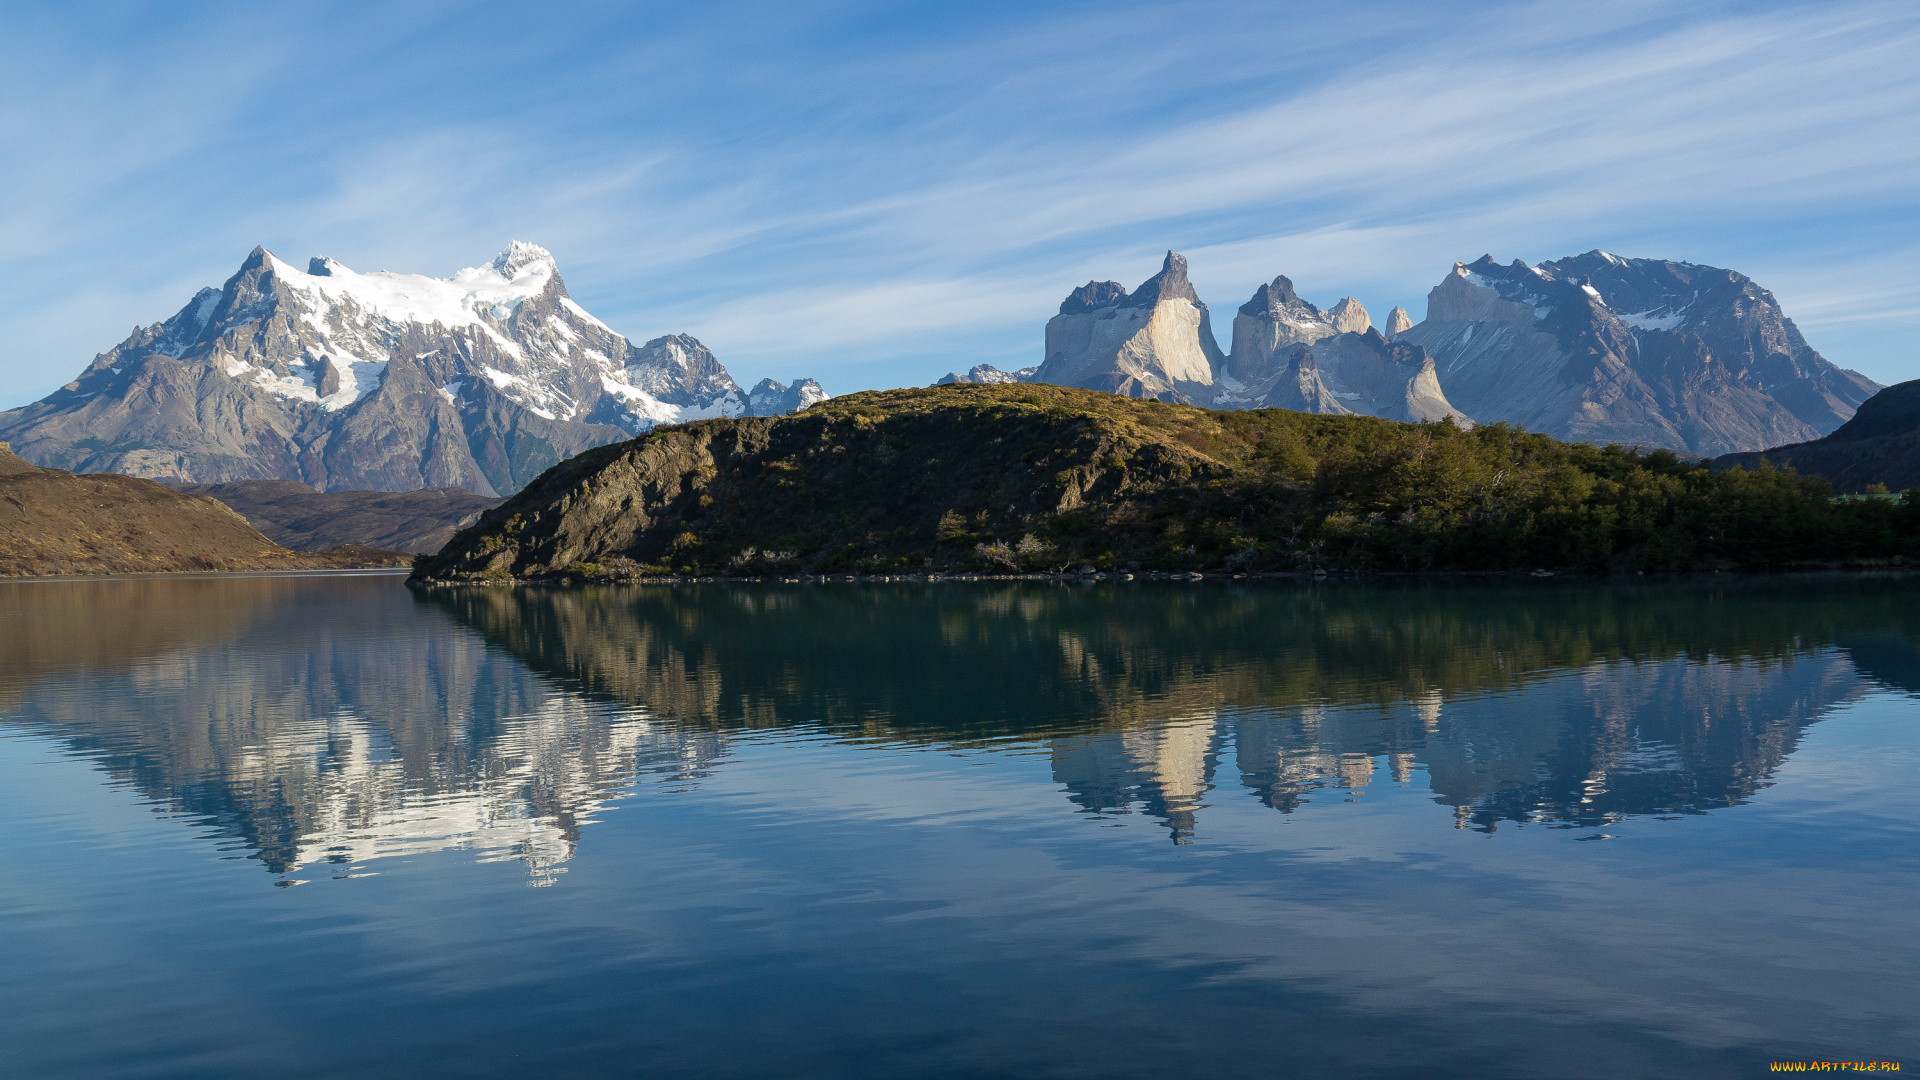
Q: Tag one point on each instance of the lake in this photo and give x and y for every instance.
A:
(331, 826)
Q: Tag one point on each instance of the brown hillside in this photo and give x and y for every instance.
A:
(54, 522)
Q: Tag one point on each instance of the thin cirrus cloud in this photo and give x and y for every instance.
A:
(873, 198)
(1675, 144)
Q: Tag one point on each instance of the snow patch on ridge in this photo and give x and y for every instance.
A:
(451, 302)
(1649, 321)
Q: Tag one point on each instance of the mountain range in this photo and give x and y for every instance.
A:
(397, 382)
(1591, 348)
(342, 380)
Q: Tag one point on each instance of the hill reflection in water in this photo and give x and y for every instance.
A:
(334, 722)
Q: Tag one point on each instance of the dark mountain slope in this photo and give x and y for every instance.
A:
(296, 516)
(1880, 445)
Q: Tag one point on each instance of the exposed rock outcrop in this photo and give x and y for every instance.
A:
(1351, 373)
(1397, 320)
(1289, 354)
(1598, 348)
(1267, 326)
(1880, 445)
(1156, 342)
(1349, 317)
(53, 522)
(387, 381)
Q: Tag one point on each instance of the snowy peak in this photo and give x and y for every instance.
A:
(343, 379)
(769, 398)
(678, 370)
(1266, 326)
(1655, 294)
(987, 373)
(521, 257)
(1485, 291)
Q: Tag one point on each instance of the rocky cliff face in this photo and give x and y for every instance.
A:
(1156, 342)
(1397, 320)
(1880, 445)
(344, 380)
(1349, 317)
(1598, 348)
(1267, 327)
(1289, 354)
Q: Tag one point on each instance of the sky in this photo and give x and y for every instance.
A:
(873, 194)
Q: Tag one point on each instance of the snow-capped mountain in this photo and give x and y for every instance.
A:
(987, 373)
(1599, 348)
(379, 380)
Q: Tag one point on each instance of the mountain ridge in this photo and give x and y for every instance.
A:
(1592, 347)
(345, 380)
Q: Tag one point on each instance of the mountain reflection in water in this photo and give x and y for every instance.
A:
(336, 722)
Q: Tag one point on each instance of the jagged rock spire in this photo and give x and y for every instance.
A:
(1169, 284)
(1349, 317)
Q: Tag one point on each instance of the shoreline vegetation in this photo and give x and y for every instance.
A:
(1038, 482)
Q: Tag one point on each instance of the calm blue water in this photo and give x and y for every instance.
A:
(327, 826)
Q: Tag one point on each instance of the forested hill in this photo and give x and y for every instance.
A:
(1034, 477)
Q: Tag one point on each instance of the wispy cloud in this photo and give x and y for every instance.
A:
(875, 197)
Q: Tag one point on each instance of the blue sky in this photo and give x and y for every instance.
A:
(874, 194)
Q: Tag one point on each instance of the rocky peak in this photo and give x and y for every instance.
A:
(1349, 317)
(1169, 284)
(1397, 320)
(1486, 291)
(519, 256)
(769, 398)
(383, 380)
(987, 373)
(1271, 300)
(1093, 296)
(678, 370)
